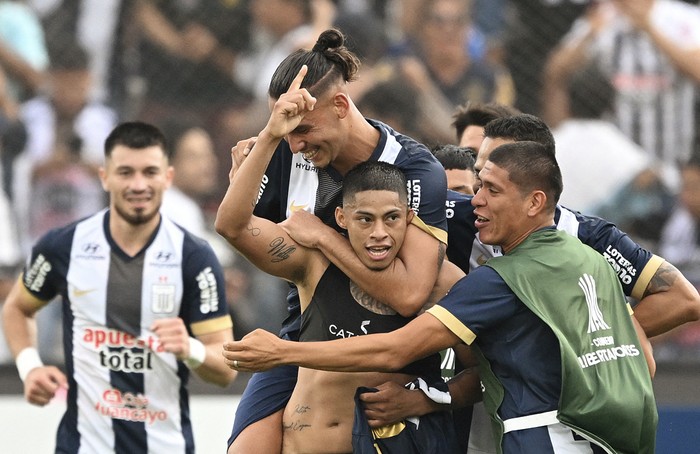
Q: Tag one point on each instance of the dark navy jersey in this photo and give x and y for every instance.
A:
(291, 183)
(633, 264)
(339, 309)
(126, 394)
(499, 321)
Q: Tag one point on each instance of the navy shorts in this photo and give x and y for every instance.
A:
(266, 393)
(430, 434)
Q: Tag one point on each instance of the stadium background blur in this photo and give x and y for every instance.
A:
(205, 64)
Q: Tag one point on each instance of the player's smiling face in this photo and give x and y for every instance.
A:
(318, 137)
(376, 222)
(135, 180)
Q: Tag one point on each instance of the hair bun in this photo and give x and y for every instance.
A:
(329, 39)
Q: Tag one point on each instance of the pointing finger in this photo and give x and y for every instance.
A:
(296, 83)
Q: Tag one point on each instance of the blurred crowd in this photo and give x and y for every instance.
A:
(617, 81)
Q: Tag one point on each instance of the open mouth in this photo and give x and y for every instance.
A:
(480, 221)
(378, 252)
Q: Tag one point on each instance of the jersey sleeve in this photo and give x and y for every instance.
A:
(477, 302)
(634, 265)
(204, 308)
(427, 191)
(271, 204)
(44, 273)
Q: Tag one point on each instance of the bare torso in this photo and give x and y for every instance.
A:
(319, 416)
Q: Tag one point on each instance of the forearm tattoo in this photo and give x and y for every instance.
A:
(279, 250)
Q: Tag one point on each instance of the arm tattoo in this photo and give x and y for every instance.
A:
(253, 230)
(442, 248)
(663, 279)
(279, 250)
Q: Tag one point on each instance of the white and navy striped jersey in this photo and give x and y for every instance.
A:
(633, 264)
(655, 102)
(125, 393)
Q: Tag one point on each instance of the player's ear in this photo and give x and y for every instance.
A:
(340, 217)
(409, 215)
(538, 202)
(341, 104)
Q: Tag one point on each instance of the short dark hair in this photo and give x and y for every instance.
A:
(135, 134)
(374, 176)
(530, 166)
(328, 62)
(519, 128)
(455, 157)
(479, 114)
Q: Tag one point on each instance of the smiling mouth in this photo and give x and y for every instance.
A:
(310, 155)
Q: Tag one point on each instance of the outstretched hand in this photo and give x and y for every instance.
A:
(257, 351)
(290, 108)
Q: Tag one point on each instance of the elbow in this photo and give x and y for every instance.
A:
(226, 230)
(410, 305)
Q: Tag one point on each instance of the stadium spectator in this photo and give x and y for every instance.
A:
(195, 166)
(588, 145)
(143, 304)
(650, 51)
(106, 31)
(436, 61)
(62, 117)
(533, 29)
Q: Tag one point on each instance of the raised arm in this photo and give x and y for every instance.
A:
(263, 242)
(683, 53)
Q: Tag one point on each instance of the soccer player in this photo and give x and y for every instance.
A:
(565, 366)
(143, 305)
(306, 172)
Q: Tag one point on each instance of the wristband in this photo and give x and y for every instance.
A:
(198, 353)
(27, 360)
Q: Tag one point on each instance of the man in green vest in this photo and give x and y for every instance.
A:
(564, 367)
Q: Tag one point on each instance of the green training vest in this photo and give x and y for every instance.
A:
(607, 393)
